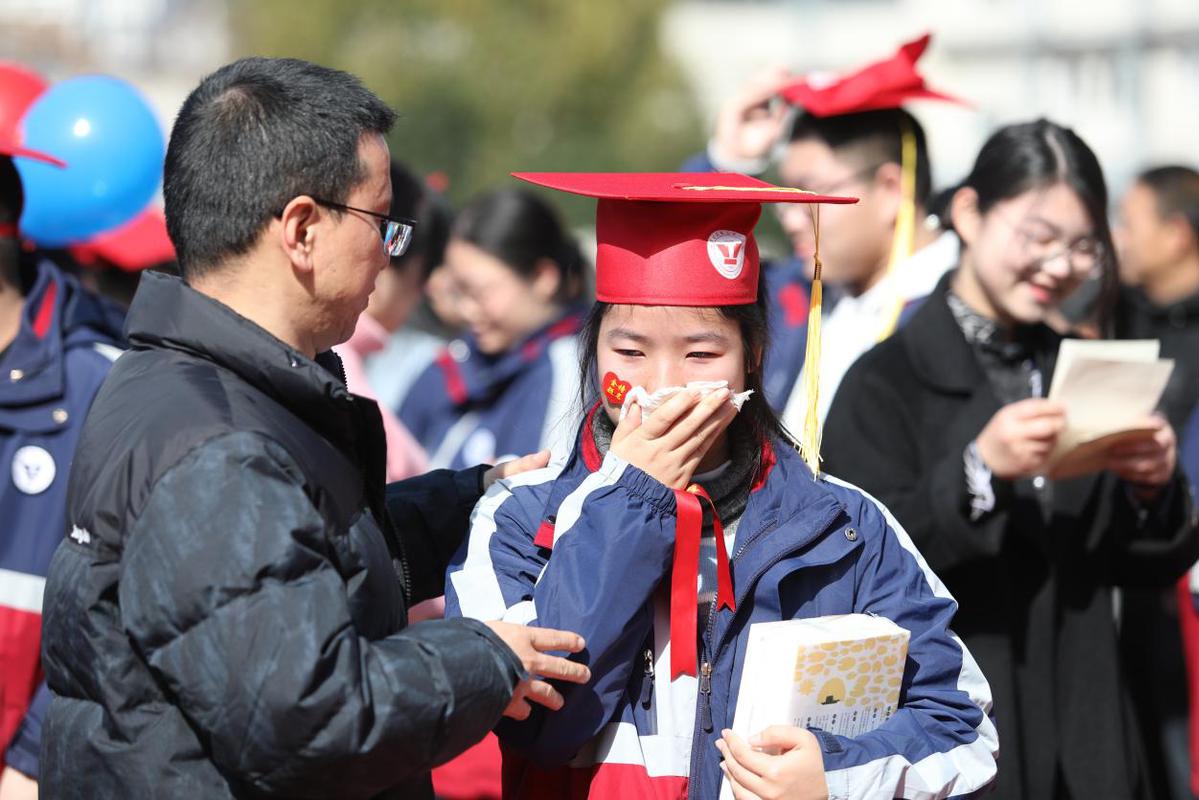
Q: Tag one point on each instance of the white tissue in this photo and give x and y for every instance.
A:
(649, 402)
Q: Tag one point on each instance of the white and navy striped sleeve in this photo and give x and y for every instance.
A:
(942, 742)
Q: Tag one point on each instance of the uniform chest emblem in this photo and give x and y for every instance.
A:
(33, 469)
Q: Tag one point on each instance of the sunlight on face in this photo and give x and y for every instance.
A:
(660, 346)
(853, 237)
(498, 305)
(1033, 251)
(350, 257)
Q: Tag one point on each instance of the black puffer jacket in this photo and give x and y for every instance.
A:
(227, 614)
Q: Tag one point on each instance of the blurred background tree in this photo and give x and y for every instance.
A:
(485, 88)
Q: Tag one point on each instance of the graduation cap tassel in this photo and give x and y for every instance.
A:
(809, 439)
(903, 244)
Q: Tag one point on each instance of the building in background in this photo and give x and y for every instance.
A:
(1123, 73)
(163, 47)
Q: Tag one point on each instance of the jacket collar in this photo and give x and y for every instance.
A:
(806, 507)
(168, 314)
(950, 366)
(940, 353)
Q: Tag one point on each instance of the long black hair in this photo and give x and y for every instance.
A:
(521, 230)
(1035, 155)
(757, 420)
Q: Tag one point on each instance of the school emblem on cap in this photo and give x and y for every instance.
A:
(726, 250)
(33, 469)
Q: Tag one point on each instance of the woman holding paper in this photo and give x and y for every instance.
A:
(667, 533)
(948, 423)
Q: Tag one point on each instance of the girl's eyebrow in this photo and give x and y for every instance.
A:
(707, 336)
(626, 333)
(712, 337)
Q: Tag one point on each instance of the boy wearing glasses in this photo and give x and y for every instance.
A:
(881, 256)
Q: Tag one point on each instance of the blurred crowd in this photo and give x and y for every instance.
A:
(1076, 595)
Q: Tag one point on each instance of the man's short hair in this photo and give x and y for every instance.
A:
(251, 137)
(1176, 190)
(870, 138)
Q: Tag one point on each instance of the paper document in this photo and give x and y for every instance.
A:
(1107, 390)
(841, 674)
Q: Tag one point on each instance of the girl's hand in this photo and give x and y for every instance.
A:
(1019, 439)
(796, 773)
(1148, 465)
(669, 445)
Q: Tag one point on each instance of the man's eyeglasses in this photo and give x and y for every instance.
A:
(396, 232)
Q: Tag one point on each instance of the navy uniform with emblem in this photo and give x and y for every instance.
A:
(49, 375)
(56, 348)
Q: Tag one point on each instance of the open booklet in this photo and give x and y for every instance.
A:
(839, 673)
(1107, 389)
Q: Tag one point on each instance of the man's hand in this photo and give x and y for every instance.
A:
(17, 786)
(531, 646)
(670, 444)
(1148, 465)
(1019, 439)
(515, 467)
(749, 124)
(754, 773)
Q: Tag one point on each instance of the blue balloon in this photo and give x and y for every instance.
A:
(113, 146)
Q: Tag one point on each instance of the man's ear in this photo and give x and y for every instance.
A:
(965, 216)
(298, 227)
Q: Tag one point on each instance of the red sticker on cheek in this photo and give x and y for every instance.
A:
(614, 388)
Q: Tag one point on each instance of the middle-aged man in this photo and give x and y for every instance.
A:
(226, 616)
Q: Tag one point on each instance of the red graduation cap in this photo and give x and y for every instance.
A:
(138, 244)
(676, 238)
(884, 84)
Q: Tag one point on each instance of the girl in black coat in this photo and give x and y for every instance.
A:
(947, 424)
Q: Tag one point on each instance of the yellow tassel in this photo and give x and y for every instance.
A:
(903, 244)
(809, 440)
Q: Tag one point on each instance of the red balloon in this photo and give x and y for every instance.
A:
(19, 87)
